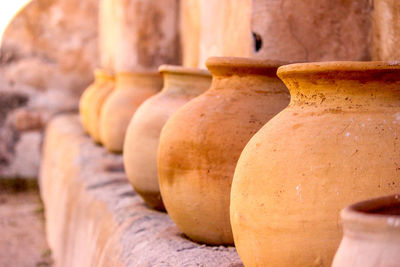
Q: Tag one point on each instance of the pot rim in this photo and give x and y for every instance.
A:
(337, 66)
(365, 214)
(241, 65)
(176, 69)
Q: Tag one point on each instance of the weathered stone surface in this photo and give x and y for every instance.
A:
(94, 218)
(386, 30)
(190, 27)
(225, 29)
(312, 30)
(147, 34)
(287, 30)
(107, 34)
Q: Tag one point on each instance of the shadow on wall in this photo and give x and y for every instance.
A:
(47, 57)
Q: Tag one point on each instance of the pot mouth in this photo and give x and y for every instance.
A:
(382, 212)
(242, 66)
(342, 69)
(175, 69)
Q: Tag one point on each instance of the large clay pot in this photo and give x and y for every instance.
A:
(337, 142)
(102, 78)
(202, 141)
(131, 89)
(143, 134)
(371, 234)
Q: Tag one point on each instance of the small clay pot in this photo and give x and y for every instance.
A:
(102, 82)
(371, 234)
(201, 143)
(95, 105)
(336, 143)
(141, 143)
(131, 90)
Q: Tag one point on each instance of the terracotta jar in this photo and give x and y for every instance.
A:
(102, 78)
(201, 143)
(141, 143)
(95, 106)
(371, 234)
(131, 89)
(337, 142)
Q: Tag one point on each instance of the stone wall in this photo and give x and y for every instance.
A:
(386, 30)
(95, 218)
(47, 57)
(147, 34)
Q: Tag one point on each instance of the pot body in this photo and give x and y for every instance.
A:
(92, 92)
(371, 234)
(131, 90)
(201, 143)
(336, 143)
(143, 134)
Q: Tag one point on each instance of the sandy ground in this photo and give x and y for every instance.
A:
(22, 235)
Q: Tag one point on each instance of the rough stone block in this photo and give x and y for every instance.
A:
(94, 217)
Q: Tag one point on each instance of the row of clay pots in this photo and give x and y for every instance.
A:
(142, 139)
(108, 104)
(334, 144)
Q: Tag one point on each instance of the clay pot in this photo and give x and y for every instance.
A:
(131, 90)
(102, 79)
(202, 141)
(371, 234)
(95, 106)
(143, 134)
(336, 143)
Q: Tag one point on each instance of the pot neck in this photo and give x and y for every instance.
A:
(185, 83)
(344, 86)
(102, 76)
(373, 219)
(245, 74)
(249, 83)
(138, 80)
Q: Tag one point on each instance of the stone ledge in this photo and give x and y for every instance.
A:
(94, 217)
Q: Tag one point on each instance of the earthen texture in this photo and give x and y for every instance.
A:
(147, 34)
(386, 30)
(94, 218)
